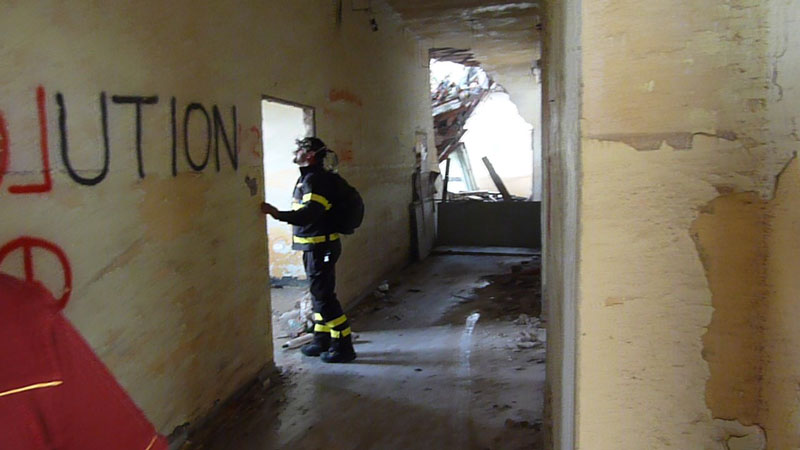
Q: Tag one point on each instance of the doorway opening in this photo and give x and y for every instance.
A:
(283, 122)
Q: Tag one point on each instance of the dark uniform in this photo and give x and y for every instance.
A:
(314, 233)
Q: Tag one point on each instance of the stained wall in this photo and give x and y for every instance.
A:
(684, 281)
(166, 249)
(779, 403)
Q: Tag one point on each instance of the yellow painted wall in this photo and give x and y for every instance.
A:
(170, 271)
(779, 403)
(686, 293)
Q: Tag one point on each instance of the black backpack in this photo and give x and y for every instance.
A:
(348, 208)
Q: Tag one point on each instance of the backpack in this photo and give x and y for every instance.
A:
(348, 209)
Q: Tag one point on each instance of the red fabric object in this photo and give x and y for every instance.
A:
(54, 391)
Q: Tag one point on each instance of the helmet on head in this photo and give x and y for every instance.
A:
(311, 144)
(322, 154)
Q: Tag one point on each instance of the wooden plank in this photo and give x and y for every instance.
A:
(446, 180)
(497, 180)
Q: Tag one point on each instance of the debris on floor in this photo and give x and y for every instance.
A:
(514, 295)
(298, 341)
(298, 320)
(480, 196)
(425, 376)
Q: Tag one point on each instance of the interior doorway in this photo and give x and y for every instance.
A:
(283, 122)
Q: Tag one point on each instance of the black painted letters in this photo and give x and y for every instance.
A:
(62, 125)
(187, 115)
(138, 101)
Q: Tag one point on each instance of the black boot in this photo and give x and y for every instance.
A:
(341, 351)
(320, 344)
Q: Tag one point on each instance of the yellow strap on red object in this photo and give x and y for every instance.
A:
(152, 441)
(31, 387)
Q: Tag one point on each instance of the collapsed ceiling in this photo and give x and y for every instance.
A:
(502, 36)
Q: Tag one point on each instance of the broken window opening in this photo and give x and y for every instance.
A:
(475, 120)
(487, 158)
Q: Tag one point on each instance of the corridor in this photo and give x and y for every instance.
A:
(451, 357)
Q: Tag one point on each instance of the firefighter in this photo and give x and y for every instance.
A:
(314, 233)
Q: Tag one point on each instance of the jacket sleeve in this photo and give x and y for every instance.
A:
(313, 203)
(306, 215)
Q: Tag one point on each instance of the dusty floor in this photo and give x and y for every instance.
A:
(444, 362)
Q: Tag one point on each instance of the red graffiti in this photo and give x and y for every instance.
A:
(4, 153)
(257, 143)
(5, 147)
(346, 154)
(343, 95)
(27, 244)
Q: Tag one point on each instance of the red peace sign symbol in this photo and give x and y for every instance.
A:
(27, 244)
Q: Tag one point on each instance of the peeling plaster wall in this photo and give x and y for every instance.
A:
(680, 156)
(169, 272)
(780, 403)
(730, 235)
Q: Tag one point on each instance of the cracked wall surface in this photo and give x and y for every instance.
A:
(167, 249)
(686, 286)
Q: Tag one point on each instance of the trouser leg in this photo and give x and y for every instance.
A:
(320, 264)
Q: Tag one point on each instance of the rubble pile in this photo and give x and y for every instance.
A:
(534, 335)
(480, 196)
(453, 101)
(298, 320)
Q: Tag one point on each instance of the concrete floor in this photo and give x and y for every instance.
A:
(440, 365)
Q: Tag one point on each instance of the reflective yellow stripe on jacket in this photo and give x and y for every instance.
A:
(317, 198)
(315, 239)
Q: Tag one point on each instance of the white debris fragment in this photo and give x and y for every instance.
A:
(298, 341)
(384, 286)
(525, 336)
(292, 323)
(306, 309)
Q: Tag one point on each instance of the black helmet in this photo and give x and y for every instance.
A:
(311, 144)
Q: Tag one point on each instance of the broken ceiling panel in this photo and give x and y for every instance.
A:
(455, 93)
